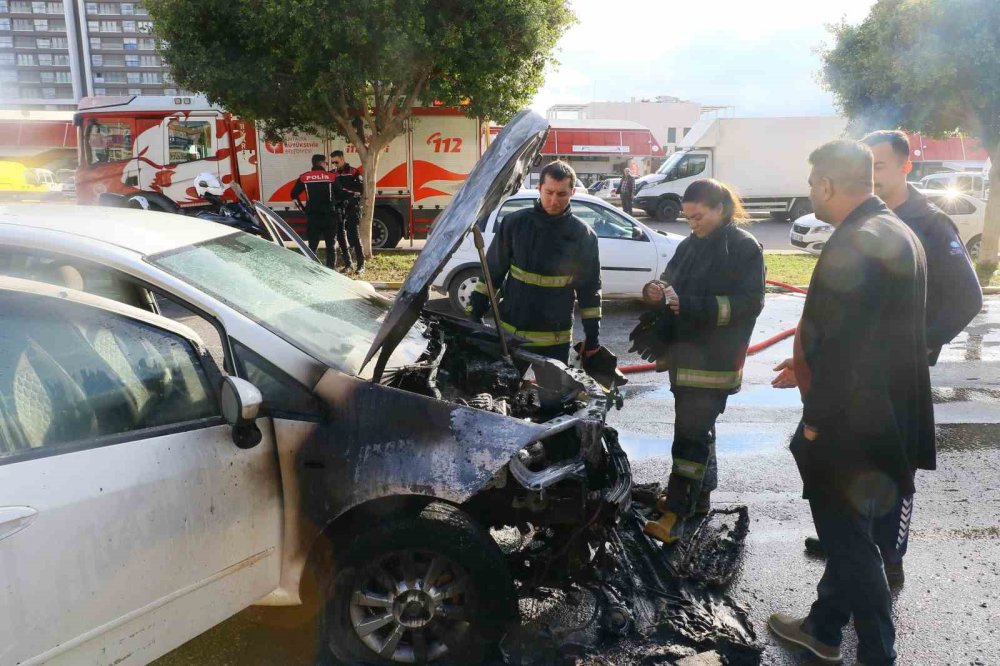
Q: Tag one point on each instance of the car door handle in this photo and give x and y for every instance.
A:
(13, 519)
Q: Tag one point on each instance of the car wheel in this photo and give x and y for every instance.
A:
(387, 230)
(461, 287)
(973, 247)
(799, 208)
(432, 587)
(668, 210)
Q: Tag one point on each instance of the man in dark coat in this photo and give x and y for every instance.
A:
(322, 215)
(867, 418)
(627, 190)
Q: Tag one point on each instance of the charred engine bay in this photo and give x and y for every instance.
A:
(593, 588)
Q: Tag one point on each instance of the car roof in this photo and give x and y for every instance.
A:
(92, 300)
(140, 231)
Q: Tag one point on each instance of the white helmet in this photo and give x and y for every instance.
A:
(208, 183)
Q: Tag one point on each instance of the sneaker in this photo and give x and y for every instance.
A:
(668, 528)
(814, 547)
(790, 629)
(894, 574)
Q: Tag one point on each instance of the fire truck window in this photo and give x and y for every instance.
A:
(109, 142)
(189, 140)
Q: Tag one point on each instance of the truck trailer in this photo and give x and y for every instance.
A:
(764, 159)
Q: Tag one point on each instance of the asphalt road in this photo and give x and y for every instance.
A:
(948, 612)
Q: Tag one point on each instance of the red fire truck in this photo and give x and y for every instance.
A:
(156, 146)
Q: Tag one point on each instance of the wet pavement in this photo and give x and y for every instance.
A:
(948, 612)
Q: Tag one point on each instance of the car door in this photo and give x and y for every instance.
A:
(129, 521)
(628, 256)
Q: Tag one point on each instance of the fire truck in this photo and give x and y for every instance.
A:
(156, 146)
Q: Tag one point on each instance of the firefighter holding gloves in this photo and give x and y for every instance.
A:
(542, 260)
(703, 310)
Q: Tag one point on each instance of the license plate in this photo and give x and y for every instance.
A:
(796, 237)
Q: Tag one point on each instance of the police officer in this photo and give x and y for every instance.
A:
(322, 215)
(353, 182)
(954, 298)
(542, 260)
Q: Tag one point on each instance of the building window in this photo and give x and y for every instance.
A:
(5, 24)
(45, 59)
(54, 7)
(145, 27)
(135, 91)
(8, 75)
(23, 25)
(4, 7)
(151, 78)
(147, 44)
(26, 59)
(48, 77)
(107, 9)
(6, 42)
(131, 61)
(127, 8)
(93, 26)
(43, 43)
(63, 77)
(30, 93)
(130, 44)
(110, 26)
(20, 7)
(100, 92)
(61, 60)
(95, 42)
(686, 130)
(170, 91)
(49, 93)
(150, 61)
(60, 43)
(671, 135)
(133, 77)
(140, 10)
(29, 77)
(97, 60)
(91, 7)
(37, 7)
(128, 26)
(6, 58)
(41, 25)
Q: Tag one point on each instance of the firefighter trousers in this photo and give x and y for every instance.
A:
(695, 470)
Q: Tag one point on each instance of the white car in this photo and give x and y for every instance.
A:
(632, 254)
(975, 184)
(967, 212)
(608, 190)
(190, 425)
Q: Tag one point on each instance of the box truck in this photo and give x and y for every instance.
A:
(156, 146)
(764, 159)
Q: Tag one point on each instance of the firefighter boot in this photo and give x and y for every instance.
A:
(668, 528)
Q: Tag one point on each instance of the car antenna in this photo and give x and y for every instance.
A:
(477, 236)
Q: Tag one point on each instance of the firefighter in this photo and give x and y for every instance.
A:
(542, 260)
(353, 182)
(713, 289)
(322, 190)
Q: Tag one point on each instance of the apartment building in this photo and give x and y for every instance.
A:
(52, 53)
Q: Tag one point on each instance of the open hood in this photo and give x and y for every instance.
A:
(497, 175)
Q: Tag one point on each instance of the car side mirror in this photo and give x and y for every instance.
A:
(638, 234)
(241, 402)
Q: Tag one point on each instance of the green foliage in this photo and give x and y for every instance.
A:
(312, 64)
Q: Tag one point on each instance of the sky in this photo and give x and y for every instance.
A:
(759, 56)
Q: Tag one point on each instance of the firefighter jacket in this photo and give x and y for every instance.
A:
(954, 296)
(322, 192)
(720, 282)
(540, 264)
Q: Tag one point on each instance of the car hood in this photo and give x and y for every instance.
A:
(497, 174)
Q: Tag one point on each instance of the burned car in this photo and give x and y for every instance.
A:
(294, 438)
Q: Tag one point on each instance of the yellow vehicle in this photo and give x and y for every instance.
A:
(20, 182)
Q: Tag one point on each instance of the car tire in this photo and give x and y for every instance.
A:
(387, 229)
(381, 597)
(668, 210)
(461, 287)
(799, 208)
(973, 247)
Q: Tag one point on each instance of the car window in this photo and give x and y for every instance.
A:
(953, 205)
(604, 222)
(511, 206)
(189, 140)
(108, 141)
(282, 394)
(71, 273)
(74, 376)
(692, 165)
(933, 184)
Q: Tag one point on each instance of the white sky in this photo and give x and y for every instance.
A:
(759, 56)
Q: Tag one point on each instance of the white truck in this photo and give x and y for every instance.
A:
(764, 159)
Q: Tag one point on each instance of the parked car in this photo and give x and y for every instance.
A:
(968, 213)
(609, 190)
(190, 424)
(632, 254)
(67, 178)
(971, 183)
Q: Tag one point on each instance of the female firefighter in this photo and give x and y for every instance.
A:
(711, 291)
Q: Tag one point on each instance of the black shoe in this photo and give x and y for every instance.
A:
(894, 574)
(360, 271)
(814, 547)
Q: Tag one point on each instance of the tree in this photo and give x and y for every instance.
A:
(356, 69)
(926, 65)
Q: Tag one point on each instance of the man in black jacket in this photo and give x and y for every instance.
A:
(322, 216)
(542, 260)
(867, 418)
(954, 298)
(353, 182)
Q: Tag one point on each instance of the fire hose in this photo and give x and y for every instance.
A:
(751, 350)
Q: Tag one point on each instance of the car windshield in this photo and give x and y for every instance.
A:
(328, 316)
(671, 162)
